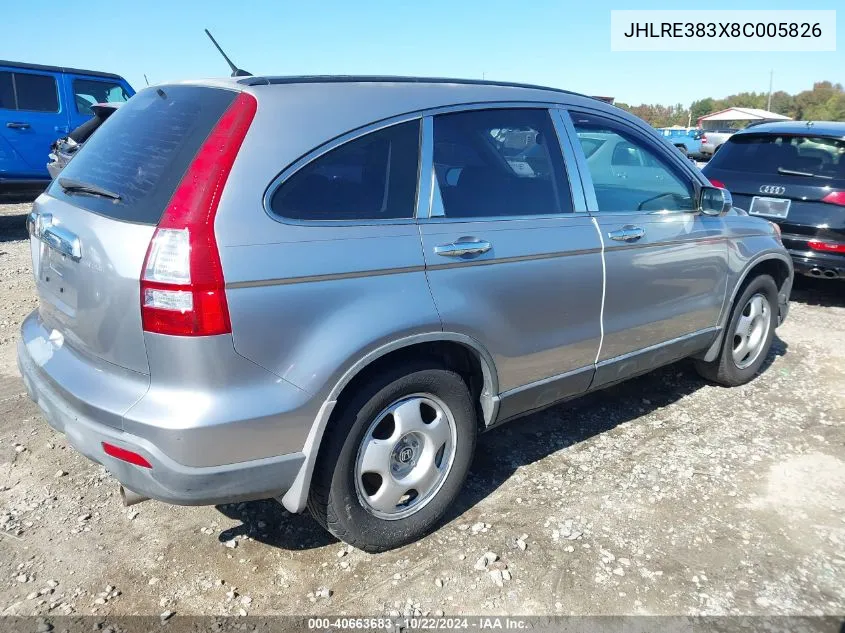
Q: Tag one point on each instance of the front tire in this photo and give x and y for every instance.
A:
(395, 457)
(748, 336)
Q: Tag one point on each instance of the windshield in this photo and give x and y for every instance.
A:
(783, 154)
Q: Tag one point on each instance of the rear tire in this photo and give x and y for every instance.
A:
(748, 336)
(369, 456)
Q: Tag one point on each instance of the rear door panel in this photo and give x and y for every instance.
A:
(533, 300)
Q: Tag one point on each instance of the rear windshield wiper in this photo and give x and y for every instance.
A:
(792, 172)
(77, 186)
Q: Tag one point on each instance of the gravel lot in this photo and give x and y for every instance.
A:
(664, 495)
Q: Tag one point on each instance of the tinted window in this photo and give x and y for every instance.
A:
(628, 173)
(7, 91)
(87, 92)
(373, 177)
(36, 92)
(142, 151)
(774, 154)
(499, 163)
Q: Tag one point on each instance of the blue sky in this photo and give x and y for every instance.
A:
(552, 42)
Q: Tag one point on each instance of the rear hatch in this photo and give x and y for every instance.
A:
(92, 228)
(796, 180)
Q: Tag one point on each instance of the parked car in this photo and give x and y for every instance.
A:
(792, 173)
(326, 305)
(688, 140)
(66, 147)
(39, 103)
(713, 140)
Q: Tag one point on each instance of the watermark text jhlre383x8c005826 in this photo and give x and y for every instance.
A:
(711, 30)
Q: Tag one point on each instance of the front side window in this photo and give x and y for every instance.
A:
(628, 174)
(373, 177)
(87, 92)
(37, 93)
(494, 163)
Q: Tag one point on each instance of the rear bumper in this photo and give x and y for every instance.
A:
(818, 265)
(168, 480)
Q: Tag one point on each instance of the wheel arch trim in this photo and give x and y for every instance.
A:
(713, 350)
(295, 499)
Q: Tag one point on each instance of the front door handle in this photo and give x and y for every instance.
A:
(463, 248)
(627, 233)
(17, 125)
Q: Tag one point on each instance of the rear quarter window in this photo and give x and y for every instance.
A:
(372, 177)
(142, 151)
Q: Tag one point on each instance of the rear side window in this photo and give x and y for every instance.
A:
(142, 151)
(494, 163)
(774, 154)
(87, 92)
(373, 177)
(26, 91)
(36, 92)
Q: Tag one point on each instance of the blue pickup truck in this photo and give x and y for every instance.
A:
(38, 104)
(688, 140)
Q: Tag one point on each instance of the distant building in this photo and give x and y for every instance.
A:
(737, 118)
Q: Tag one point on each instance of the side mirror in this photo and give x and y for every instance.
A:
(714, 201)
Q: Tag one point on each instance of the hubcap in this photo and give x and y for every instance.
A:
(751, 332)
(405, 456)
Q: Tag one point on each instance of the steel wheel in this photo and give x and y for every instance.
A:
(405, 456)
(752, 331)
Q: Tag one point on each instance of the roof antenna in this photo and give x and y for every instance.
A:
(236, 72)
(145, 79)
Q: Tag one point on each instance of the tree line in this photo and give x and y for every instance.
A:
(825, 102)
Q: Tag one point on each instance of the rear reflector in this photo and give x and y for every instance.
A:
(182, 285)
(828, 247)
(835, 197)
(126, 456)
(717, 183)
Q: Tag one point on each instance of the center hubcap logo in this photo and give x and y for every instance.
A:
(405, 455)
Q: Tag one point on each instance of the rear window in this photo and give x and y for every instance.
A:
(143, 149)
(785, 154)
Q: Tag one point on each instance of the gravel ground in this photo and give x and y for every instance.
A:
(664, 495)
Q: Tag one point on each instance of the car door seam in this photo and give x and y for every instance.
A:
(603, 290)
(427, 280)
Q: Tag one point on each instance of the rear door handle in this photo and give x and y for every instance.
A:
(627, 233)
(17, 125)
(463, 248)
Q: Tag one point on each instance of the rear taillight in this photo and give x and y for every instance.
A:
(835, 197)
(828, 247)
(182, 286)
(717, 183)
(703, 138)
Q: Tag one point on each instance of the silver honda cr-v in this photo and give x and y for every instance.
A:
(322, 289)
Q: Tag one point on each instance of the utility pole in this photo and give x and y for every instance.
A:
(771, 79)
